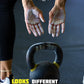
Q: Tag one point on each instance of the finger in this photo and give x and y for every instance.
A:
(38, 30)
(62, 27)
(50, 17)
(54, 31)
(49, 28)
(33, 31)
(52, 28)
(58, 30)
(27, 26)
(40, 27)
(40, 14)
(50, 20)
(41, 17)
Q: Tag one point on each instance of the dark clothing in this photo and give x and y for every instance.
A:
(7, 29)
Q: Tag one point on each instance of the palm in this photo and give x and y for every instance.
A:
(56, 21)
(32, 20)
(32, 17)
(58, 17)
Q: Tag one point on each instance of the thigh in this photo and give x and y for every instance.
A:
(7, 31)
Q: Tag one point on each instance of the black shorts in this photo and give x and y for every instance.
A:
(7, 29)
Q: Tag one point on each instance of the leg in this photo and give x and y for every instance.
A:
(7, 37)
(5, 69)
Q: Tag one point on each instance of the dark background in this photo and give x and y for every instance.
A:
(71, 42)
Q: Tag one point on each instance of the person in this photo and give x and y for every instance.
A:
(32, 15)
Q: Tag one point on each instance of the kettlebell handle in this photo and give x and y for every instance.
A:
(43, 46)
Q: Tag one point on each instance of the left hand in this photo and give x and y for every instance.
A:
(56, 19)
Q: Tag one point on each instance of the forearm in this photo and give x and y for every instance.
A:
(27, 3)
(60, 3)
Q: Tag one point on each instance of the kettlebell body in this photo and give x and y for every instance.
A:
(44, 69)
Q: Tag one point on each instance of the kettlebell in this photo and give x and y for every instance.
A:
(44, 69)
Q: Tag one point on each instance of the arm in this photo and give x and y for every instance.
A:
(57, 18)
(33, 15)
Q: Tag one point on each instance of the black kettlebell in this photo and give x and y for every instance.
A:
(44, 70)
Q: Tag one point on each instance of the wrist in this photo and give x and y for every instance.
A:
(27, 4)
(60, 3)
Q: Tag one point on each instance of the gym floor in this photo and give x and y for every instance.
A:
(71, 42)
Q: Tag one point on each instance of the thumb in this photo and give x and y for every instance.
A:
(50, 18)
(41, 17)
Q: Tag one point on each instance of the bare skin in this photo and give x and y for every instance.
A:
(30, 9)
(5, 68)
(56, 19)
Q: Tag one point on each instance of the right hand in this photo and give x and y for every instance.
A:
(33, 16)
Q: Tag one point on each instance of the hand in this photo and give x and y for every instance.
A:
(32, 20)
(56, 19)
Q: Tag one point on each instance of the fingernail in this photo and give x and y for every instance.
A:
(49, 28)
(53, 35)
(49, 32)
(39, 33)
(42, 19)
(56, 35)
(62, 31)
(35, 34)
(29, 32)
